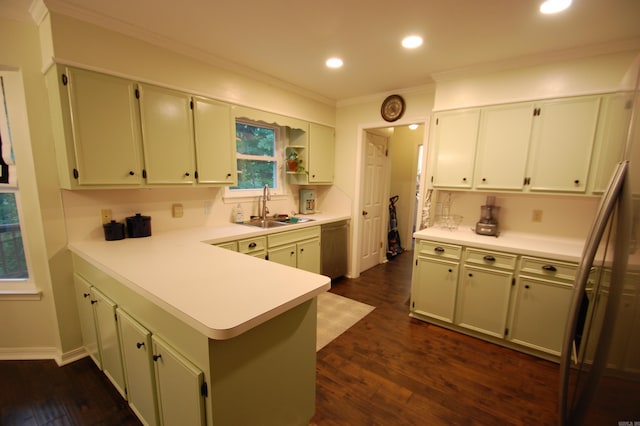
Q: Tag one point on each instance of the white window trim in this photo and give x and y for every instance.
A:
(281, 191)
(23, 289)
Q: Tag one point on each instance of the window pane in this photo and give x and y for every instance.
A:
(255, 140)
(12, 261)
(254, 174)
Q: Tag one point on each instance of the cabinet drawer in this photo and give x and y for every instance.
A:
(434, 248)
(231, 245)
(288, 237)
(490, 258)
(548, 268)
(252, 245)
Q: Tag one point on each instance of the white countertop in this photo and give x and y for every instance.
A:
(566, 249)
(219, 292)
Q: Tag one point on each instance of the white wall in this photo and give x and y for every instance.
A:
(30, 328)
(563, 215)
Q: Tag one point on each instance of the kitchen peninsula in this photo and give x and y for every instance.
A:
(223, 338)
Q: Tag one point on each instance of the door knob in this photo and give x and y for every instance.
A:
(364, 212)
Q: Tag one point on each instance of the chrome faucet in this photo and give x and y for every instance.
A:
(266, 196)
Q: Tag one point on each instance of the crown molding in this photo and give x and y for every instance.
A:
(534, 60)
(159, 40)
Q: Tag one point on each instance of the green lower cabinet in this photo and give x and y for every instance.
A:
(180, 386)
(483, 300)
(136, 353)
(540, 314)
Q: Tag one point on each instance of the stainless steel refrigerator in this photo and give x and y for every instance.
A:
(600, 362)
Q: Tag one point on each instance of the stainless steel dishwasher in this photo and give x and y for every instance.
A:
(333, 239)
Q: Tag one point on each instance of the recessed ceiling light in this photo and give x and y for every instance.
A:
(554, 6)
(411, 42)
(334, 62)
(413, 126)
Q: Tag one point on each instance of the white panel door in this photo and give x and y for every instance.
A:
(371, 229)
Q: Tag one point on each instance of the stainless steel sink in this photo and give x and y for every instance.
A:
(274, 223)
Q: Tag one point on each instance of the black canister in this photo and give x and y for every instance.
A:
(138, 226)
(113, 231)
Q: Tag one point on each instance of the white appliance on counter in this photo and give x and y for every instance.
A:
(307, 201)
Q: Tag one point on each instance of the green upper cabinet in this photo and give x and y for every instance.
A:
(215, 142)
(96, 128)
(321, 153)
(615, 116)
(454, 134)
(504, 134)
(167, 135)
(562, 144)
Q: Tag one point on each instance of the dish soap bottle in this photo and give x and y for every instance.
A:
(238, 214)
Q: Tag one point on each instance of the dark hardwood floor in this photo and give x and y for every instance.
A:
(388, 369)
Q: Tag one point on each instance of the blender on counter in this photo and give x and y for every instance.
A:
(488, 224)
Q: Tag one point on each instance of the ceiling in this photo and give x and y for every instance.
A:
(287, 41)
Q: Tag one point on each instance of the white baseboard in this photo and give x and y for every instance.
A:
(13, 354)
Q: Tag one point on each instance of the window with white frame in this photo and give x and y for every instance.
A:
(259, 158)
(13, 264)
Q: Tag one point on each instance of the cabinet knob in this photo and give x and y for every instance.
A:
(470, 275)
(292, 253)
(484, 179)
(156, 357)
(489, 258)
(187, 174)
(228, 175)
(527, 286)
(94, 302)
(301, 250)
(85, 295)
(139, 345)
(549, 268)
(577, 181)
(131, 173)
(464, 179)
(450, 270)
(438, 250)
(364, 212)
(252, 245)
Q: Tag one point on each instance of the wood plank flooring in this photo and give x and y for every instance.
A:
(388, 369)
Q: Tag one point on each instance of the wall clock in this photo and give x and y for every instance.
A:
(392, 108)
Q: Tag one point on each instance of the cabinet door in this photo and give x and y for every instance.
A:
(321, 153)
(309, 255)
(434, 286)
(483, 300)
(562, 144)
(503, 147)
(85, 302)
(540, 314)
(215, 142)
(612, 136)
(179, 386)
(106, 133)
(138, 368)
(167, 136)
(454, 135)
(285, 255)
(109, 340)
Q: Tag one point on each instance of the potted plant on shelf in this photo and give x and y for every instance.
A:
(294, 163)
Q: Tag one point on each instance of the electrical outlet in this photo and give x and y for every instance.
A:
(105, 215)
(537, 216)
(177, 210)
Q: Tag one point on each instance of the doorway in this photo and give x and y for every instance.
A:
(390, 166)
